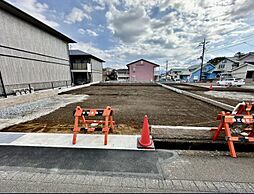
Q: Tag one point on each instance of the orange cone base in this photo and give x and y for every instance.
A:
(139, 146)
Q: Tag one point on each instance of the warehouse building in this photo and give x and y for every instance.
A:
(31, 53)
(85, 67)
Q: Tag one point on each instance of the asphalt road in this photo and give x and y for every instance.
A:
(33, 169)
(83, 159)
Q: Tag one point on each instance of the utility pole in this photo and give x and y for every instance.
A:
(166, 70)
(202, 57)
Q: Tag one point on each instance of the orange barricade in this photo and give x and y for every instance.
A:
(238, 126)
(105, 125)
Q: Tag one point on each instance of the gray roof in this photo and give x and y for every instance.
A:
(78, 52)
(28, 18)
(82, 53)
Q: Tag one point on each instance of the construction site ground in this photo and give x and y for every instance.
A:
(55, 169)
(130, 103)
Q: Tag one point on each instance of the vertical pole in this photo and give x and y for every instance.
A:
(4, 91)
(230, 142)
(166, 70)
(67, 84)
(29, 86)
(52, 84)
(202, 60)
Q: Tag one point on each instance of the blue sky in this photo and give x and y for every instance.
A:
(120, 31)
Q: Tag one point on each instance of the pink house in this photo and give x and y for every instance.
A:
(141, 70)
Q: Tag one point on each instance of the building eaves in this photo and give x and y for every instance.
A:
(245, 64)
(142, 60)
(82, 53)
(29, 19)
(248, 54)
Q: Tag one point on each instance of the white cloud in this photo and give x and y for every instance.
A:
(35, 9)
(90, 48)
(87, 32)
(76, 15)
(175, 34)
(130, 25)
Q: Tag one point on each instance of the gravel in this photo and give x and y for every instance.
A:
(29, 111)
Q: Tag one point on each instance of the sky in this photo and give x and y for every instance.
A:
(122, 31)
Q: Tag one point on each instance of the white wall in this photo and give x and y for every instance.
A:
(228, 65)
(240, 73)
(250, 58)
(20, 67)
(96, 70)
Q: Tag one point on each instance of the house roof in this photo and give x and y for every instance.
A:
(246, 55)
(193, 66)
(232, 59)
(122, 70)
(203, 67)
(177, 69)
(185, 72)
(245, 64)
(143, 60)
(82, 53)
(28, 18)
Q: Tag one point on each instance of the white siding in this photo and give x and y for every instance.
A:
(250, 58)
(240, 72)
(96, 70)
(22, 67)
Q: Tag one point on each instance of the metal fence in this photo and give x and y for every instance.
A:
(10, 89)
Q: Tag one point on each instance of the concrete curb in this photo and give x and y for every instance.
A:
(224, 106)
(59, 140)
(181, 127)
(76, 87)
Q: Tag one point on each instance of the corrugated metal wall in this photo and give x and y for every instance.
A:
(31, 55)
(96, 70)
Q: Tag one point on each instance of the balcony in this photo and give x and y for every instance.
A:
(81, 67)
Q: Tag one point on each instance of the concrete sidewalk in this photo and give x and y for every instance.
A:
(123, 142)
(30, 169)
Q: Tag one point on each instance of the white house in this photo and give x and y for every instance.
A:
(226, 65)
(249, 57)
(245, 71)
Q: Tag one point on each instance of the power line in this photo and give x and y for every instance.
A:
(249, 44)
(232, 45)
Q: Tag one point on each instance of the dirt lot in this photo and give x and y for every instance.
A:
(130, 103)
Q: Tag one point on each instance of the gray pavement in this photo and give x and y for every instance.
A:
(84, 170)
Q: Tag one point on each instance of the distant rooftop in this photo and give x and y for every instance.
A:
(143, 60)
(82, 53)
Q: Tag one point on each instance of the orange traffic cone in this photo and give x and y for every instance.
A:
(211, 87)
(145, 141)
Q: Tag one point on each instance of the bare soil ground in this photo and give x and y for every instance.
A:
(131, 104)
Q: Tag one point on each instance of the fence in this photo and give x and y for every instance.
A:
(10, 89)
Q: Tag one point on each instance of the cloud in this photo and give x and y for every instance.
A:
(87, 32)
(35, 9)
(90, 48)
(129, 25)
(76, 15)
(176, 31)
